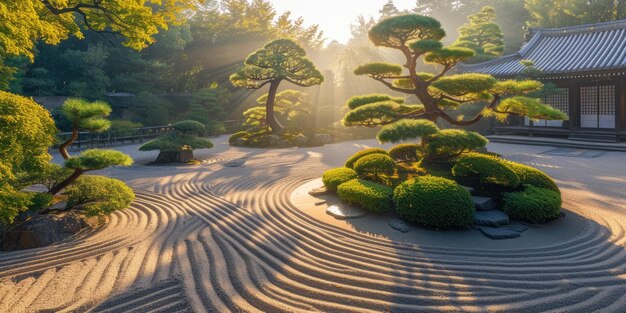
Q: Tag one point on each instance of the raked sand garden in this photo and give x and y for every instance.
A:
(236, 232)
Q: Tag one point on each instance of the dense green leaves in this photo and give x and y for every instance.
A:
(373, 165)
(425, 45)
(490, 170)
(372, 196)
(434, 202)
(449, 56)
(355, 157)
(379, 69)
(87, 116)
(530, 107)
(337, 176)
(189, 126)
(405, 152)
(482, 35)
(281, 59)
(452, 142)
(98, 195)
(174, 141)
(397, 31)
(534, 205)
(372, 114)
(95, 159)
(358, 101)
(407, 130)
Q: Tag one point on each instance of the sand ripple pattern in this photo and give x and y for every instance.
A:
(218, 239)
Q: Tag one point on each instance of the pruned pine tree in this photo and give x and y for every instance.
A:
(482, 35)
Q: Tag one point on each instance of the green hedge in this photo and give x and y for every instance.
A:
(489, 169)
(99, 195)
(375, 165)
(532, 176)
(235, 136)
(535, 205)
(355, 157)
(405, 152)
(435, 202)
(369, 195)
(335, 177)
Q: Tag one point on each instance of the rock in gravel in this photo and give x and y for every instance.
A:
(40, 230)
(235, 163)
(491, 218)
(399, 225)
(344, 212)
(520, 228)
(498, 233)
(319, 191)
(484, 203)
(320, 202)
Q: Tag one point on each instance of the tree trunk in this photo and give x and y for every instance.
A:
(66, 182)
(63, 147)
(272, 121)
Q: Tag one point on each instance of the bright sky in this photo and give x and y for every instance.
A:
(335, 16)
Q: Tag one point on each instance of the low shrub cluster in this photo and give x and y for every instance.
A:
(406, 152)
(534, 204)
(370, 195)
(98, 195)
(374, 165)
(335, 177)
(237, 135)
(532, 176)
(434, 202)
(355, 157)
(490, 170)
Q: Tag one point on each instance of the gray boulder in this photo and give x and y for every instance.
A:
(491, 218)
(399, 225)
(272, 140)
(40, 230)
(300, 140)
(484, 203)
(499, 233)
(342, 212)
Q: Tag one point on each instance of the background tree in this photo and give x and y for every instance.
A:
(482, 35)
(416, 37)
(280, 60)
(209, 106)
(553, 13)
(26, 132)
(178, 145)
(388, 10)
(84, 116)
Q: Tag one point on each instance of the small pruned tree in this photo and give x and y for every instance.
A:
(280, 60)
(90, 160)
(482, 35)
(417, 36)
(178, 144)
(84, 116)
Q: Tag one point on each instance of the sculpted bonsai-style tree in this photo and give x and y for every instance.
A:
(90, 160)
(416, 37)
(482, 35)
(280, 60)
(178, 144)
(84, 116)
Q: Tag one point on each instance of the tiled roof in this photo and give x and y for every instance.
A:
(573, 49)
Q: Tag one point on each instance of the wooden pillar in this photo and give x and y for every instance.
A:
(574, 104)
(621, 103)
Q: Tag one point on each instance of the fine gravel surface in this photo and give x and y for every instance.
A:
(212, 238)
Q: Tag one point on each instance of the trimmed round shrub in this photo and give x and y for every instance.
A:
(453, 142)
(235, 136)
(405, 152)
(98, 195)
(489, 169)
(407, 129)
(535, 205)
(189, 126)
(434, 202)
(375, 164)
(355, 157)
(335, 177)
(369, 195)
(532, 176)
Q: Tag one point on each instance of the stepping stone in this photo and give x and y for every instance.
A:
(499, 233)
(520, 228)
(484, 203)
(491, 218)
(235, 163)
(399, 225)
(319, 191)
(471, 190)
(344, 212)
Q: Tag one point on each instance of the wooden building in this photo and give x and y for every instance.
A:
(587, 64)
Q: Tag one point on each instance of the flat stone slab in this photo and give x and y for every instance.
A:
(498, 233)
(471, 190)
(520, 228)
(344, 212)
(491, 218)
(235, 163)
(399, 225)
(483, 203)
(320, 202)
(319, 191)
